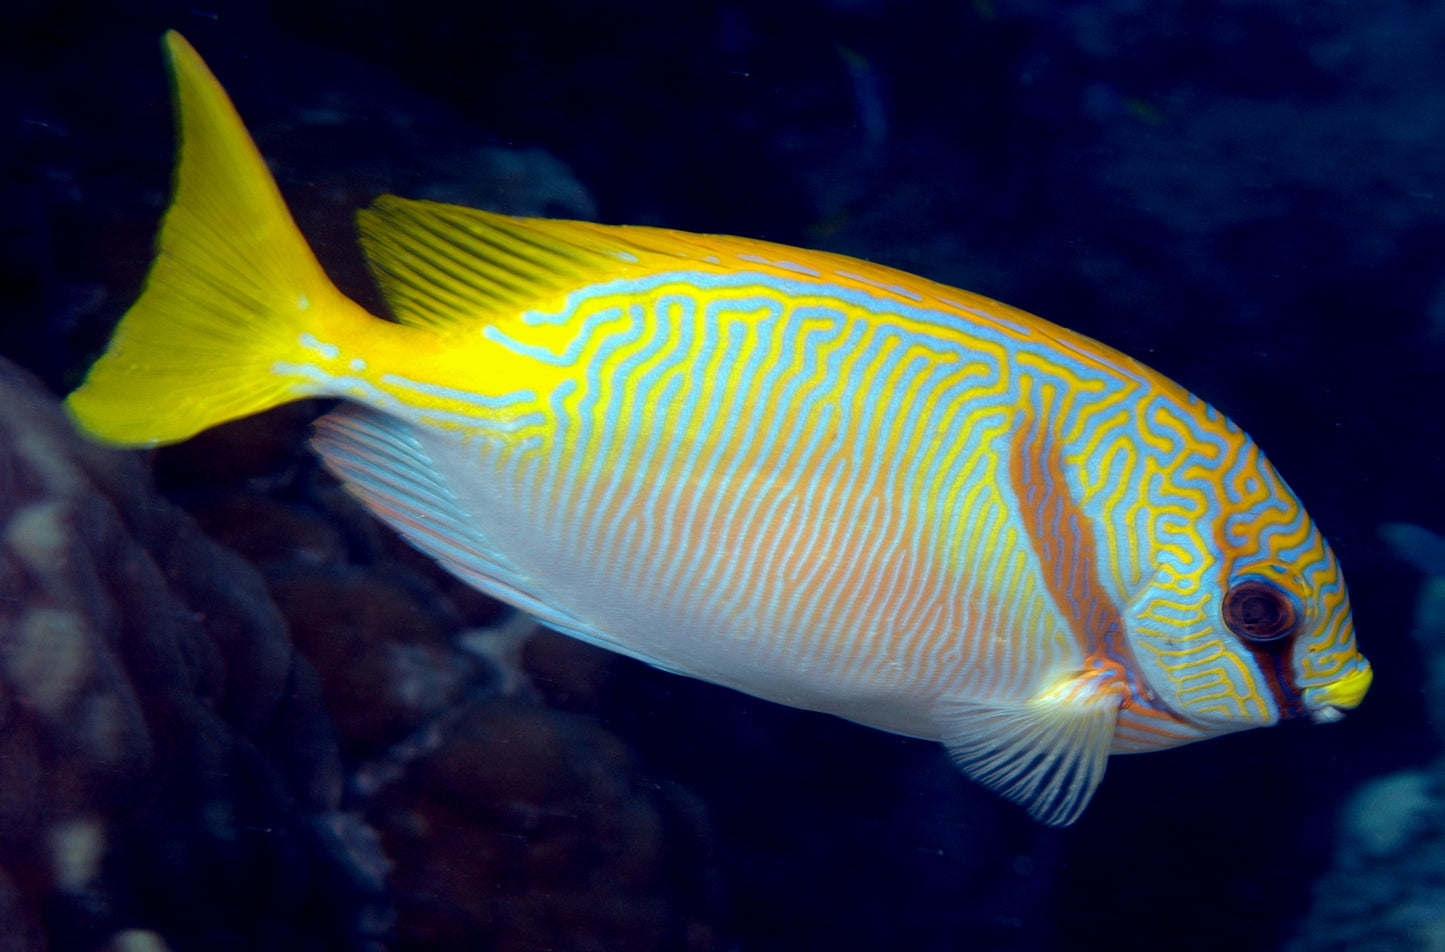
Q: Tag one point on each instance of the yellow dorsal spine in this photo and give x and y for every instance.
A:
(234, 293)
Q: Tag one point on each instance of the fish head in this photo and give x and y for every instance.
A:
(1243, 619)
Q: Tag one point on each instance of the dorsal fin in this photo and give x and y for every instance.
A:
(449, 268)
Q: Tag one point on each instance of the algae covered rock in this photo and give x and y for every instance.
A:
(165, 760)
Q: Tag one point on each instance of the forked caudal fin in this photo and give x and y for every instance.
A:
(233, 292)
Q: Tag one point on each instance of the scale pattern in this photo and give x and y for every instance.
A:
(789, 469)
(890, 491)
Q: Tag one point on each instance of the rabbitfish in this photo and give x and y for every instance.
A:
(810, 478)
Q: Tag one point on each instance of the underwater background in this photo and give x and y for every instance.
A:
(236, 713)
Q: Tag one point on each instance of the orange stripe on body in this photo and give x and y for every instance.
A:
(1062, 539)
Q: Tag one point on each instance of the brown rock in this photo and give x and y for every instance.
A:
(162, 746)
(530, 828)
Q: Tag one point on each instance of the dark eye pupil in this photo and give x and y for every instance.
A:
(1257, 611)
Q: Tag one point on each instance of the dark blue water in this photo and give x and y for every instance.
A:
(1249, 197)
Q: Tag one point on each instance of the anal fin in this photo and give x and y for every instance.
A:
(1046, 753)
(392, 467)
(382, 462)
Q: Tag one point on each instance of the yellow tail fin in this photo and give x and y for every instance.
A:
(233, 293)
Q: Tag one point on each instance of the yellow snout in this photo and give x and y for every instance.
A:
(1327, 701)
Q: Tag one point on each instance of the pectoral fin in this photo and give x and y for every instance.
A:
(1046, 753)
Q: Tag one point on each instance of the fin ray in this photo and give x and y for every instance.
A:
(385, 462)
(382, 461)
(232, 286)
(448, 267)
(1047, 753)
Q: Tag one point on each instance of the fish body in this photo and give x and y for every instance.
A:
(814, 479)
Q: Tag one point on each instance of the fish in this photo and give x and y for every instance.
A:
(804, 476)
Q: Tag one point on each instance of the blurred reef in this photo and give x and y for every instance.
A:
(235, 713)
(1386, 892)
(162, 744)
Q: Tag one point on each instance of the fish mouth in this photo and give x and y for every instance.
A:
(1329, 702)
(1328, 714)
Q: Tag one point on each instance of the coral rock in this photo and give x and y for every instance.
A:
(164, 756)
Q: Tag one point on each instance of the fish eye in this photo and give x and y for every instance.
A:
(1259, 611)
